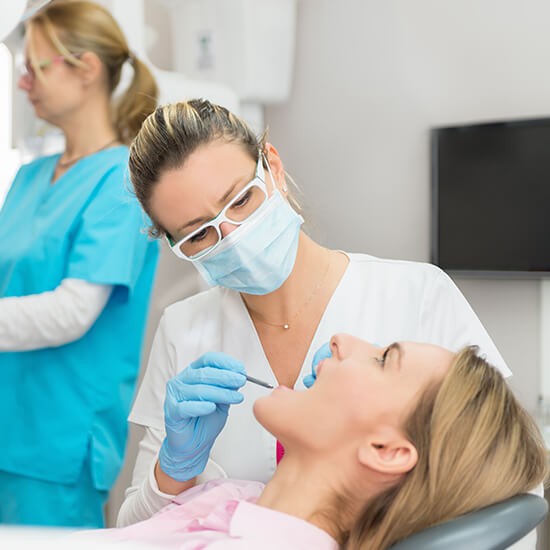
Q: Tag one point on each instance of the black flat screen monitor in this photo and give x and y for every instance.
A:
(491, 198)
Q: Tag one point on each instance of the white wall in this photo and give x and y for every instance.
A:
(371, 78)
(9, 158)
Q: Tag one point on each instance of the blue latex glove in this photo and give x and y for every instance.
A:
(322, 353)
(195, 411)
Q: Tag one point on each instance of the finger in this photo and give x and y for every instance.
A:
(212, 376)
(323, 352)
(175, 411)
(218, 360)
(308, 380)
(180, 391)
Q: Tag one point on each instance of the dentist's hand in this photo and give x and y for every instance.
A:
(195, 411)
(322, 353)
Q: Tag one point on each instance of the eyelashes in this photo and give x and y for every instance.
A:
(382, 360)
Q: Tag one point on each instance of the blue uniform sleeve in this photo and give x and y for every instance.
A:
(109, 244)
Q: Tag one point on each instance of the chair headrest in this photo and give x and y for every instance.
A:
(495, 527)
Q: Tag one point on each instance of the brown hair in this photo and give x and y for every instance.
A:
(77, 26)
(170, 134)
(476, 446)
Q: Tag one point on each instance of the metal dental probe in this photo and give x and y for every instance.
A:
(259, 382)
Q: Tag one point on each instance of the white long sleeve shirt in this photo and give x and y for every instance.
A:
(51, 319)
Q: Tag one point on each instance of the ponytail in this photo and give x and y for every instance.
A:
(137, 102)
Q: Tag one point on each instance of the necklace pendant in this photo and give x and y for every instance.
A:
(285, 326)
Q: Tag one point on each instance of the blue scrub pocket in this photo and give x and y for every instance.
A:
(107, 445)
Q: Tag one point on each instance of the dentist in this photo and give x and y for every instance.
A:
(220, 196)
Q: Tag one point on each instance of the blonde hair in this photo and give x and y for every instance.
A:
(172, 133)
(476, 446)
(75, 27)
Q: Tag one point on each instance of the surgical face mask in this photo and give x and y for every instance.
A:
(258, 256)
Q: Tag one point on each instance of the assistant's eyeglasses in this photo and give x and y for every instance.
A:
(27, 70)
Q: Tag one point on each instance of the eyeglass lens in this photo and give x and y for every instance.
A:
(27, 70)
(238, 210)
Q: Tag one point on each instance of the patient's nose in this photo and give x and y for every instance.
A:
(340, 345)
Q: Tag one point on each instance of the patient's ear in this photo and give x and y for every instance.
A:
(388, 453)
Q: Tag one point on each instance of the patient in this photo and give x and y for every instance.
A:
(387, 442)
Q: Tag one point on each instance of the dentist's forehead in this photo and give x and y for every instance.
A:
(197, 189)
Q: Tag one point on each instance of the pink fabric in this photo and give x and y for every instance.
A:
(220, 515)
(280, 451)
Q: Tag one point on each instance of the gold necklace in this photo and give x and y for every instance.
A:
(289, 323)
(71, 162)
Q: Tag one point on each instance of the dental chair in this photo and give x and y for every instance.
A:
(495, 527)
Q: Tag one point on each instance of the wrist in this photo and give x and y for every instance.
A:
(181, 467)
(169, 485)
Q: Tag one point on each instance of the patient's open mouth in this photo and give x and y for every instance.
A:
(318, 367)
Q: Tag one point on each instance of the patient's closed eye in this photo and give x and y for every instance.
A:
(382, 360)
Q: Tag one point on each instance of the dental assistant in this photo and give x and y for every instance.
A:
(220, 197)
(76, 274)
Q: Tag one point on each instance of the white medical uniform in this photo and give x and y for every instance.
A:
(380, 301)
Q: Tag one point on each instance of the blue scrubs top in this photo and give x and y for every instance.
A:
(59, 404)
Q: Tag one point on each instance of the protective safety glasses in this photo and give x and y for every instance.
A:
(27, 70)
(208, 236)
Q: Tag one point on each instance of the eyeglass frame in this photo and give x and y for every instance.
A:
(258, 180)
(26, 69)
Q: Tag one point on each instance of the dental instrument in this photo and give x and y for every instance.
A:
(259, 382)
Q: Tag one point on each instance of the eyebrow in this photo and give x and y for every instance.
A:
(223, 199)
(395, 346)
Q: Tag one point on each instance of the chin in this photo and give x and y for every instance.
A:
(39, 113)
(277, 411)
(259, 407)
(268, 413)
